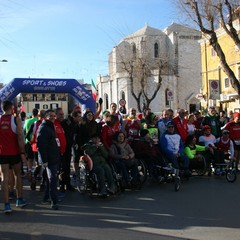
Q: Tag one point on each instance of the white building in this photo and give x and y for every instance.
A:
(176, 47)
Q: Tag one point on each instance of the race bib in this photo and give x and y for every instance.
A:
(58, 142)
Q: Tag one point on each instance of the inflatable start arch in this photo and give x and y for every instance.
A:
(43, 85)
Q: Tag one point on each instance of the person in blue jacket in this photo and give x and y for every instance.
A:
(49, 156)
(172, 147)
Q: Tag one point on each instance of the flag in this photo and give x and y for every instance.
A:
(94, 91)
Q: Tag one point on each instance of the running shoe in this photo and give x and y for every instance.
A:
(7, 208)
(21, 202)
(54, 206)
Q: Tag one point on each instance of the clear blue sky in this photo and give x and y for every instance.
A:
(71, 38)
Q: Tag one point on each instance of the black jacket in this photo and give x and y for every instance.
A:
(48, 149)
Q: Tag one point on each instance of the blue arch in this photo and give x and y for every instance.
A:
(47, 85)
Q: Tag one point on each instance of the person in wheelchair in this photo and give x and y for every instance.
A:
(148, 151)
(214, 155)
(123, 157)
(225, 144)
(172, 146)
(192, 151)
(98, 153)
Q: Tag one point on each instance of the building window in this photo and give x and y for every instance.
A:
(167, 103)
(226, 83)
(106, 101)
(134, 50)
(34, 97)
(53, 97)
(123, 95)
(156, 54)
(45, 106)
(213, 53)
(53, 106)
(37, 106)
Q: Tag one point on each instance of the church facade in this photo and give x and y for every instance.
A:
(159, 68)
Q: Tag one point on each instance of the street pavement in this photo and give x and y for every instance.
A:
(205, 208)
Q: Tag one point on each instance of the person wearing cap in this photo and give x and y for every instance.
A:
(225, 144)
(131, 125)
(181, 124)
(172, 146)
(108, 130)
(105, 115)
(234, 133)
(212, 120)
(207, 139)
(214, 155)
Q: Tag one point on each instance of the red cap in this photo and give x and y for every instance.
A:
(76, 108)
(236, 114)
(206, 127)
(139, 115)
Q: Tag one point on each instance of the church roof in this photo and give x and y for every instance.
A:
(146, 30)
(175, 27)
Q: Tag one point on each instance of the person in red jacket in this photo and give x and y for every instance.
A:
(12, 153)
(64, 176)
(234, 133)
(131, 126)
(181, 124)
(108, 131)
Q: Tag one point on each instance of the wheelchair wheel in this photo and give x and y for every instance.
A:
(177, 184)
(201, 171)
(142, 170)
(231, 175)
(82, 185)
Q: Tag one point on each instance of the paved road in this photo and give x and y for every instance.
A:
(205, 208)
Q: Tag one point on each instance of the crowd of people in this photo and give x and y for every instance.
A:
(50, 145)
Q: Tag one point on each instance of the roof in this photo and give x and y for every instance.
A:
(174, 27)
(146, 30)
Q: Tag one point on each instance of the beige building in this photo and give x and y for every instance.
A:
(177, 47)
(217, 89)
(44, 101)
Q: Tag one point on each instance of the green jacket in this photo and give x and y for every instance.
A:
(98, 154)
(191, 152)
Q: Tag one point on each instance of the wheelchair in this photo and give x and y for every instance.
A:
(169, 174)
(88, 180)
(164, 173)
(142, 176)
(226, 169)
(198, 165)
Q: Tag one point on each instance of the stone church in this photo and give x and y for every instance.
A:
(161, 68)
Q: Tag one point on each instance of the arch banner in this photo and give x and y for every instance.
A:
(48, 85)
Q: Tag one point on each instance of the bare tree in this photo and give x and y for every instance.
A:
(209, 15)
(143, 75)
